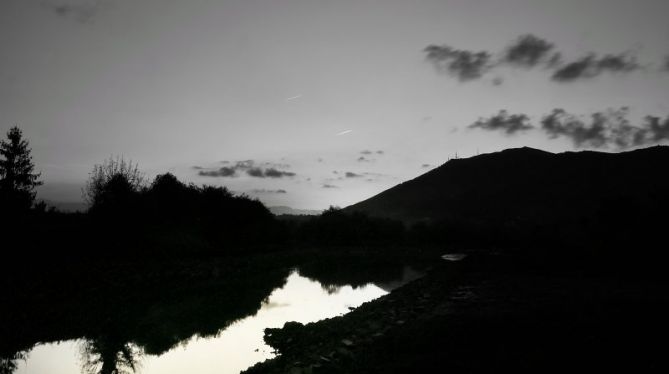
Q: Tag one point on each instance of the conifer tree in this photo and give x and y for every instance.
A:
(17, 177)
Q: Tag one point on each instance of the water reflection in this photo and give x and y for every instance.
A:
(207, 329)
(360, 271)
(109, 355)
(9, 364)
(454, 256)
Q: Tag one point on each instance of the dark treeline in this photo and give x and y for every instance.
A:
(129, 217)
(168, 218)
(170, 215)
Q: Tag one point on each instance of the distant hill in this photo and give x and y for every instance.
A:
(529, 188)
(281, 210)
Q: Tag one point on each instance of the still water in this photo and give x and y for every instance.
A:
(234, 348)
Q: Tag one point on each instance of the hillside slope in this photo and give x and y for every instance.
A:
(525, 189)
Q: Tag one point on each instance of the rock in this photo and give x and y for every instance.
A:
(347, 342)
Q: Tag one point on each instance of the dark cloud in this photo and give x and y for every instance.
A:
(222, 172)
(81, 11)
(656, 129)
(352, 175)
(426, 165)
(255, 172)
(562, 124)
(329, 186)
(258, 172)
(528, 51)
(264, 170)
(379, 152)
(264, 191)
(274, 173)
(363, 159)
(366, 152)
(606, 129)
(463, 64)
(197, 167)
(591, 66)
(509, 123)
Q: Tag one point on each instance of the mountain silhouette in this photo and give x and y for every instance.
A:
(525, 188)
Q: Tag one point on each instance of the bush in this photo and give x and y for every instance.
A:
(112, 185)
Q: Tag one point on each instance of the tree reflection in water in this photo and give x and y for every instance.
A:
(108, 355)
(9, 364)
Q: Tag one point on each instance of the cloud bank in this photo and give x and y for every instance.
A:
(78, 10)
(610, 128)
(248, 167)
(527, 52)
(591, 66)
(530, 51)
(509, 123)
(462, 64)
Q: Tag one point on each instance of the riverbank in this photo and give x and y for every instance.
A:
(480, 315)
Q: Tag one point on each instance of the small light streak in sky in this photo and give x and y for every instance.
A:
(344, 132)
(293, 97)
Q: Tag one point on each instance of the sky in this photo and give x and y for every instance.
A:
(309, 103)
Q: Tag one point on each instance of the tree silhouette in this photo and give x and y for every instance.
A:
(17, 177)
(112, 184)
(110, 355)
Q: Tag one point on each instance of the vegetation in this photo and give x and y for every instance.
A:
(175, 249)
(517, 201)
(112, 182)
(17, 177)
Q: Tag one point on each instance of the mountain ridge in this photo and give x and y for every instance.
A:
(524, 184)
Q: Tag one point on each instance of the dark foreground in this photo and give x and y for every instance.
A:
(485, 314)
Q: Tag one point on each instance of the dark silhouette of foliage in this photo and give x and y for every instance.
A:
(9, 365)
(337, 227)
(17, 177)
(170, 216)
(113, 184)
(109, 355)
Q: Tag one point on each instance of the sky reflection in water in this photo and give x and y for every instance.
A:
(235, 348)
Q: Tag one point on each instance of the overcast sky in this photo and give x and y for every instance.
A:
(326, 102)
